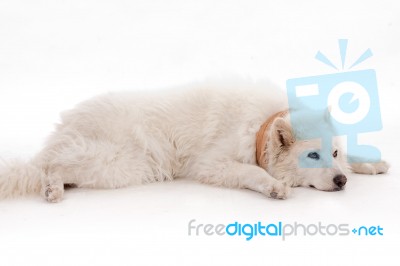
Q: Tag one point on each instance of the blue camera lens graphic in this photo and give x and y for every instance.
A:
(348, 104)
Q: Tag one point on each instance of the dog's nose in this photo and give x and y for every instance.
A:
(340, 180)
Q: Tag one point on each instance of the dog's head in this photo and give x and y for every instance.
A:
(305, 163)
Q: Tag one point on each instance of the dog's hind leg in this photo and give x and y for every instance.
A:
(52, 188)
(93, 164)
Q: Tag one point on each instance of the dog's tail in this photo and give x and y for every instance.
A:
(19, 178)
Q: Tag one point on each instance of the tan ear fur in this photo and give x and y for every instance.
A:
(282, 135)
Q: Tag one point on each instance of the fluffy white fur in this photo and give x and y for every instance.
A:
(205, 132)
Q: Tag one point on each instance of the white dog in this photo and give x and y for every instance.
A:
(237, 136)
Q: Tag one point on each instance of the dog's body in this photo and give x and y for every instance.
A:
(207, 133)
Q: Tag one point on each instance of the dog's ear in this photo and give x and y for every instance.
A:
(282, 133)
(327, 114)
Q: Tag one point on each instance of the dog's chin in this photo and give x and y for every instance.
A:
(328, 190)
(335, 189)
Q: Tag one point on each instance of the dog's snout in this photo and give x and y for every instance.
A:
(340, 180)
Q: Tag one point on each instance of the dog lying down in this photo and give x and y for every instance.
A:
(236, 136)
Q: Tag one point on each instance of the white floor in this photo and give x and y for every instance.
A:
(55, 54)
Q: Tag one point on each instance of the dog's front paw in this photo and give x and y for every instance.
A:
(370, 168)
(277, 190)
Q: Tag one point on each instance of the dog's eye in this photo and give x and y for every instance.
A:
(334, 154)
(313, 155)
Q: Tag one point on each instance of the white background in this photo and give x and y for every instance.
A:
(54, 54)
